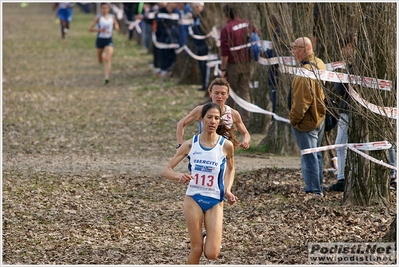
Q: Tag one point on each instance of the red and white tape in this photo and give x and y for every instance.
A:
(118, 11)
(373, 159)
(179, 49)
(362, 146)
(288, 66)
(254, 108)
(356, 147)
(389, 112)
(134, 24)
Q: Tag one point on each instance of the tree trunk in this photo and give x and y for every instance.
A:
(391, 234)
(368, 182)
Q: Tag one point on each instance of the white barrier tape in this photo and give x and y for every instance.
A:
(235, 48)
(179, 49)
(215, 33)
(134, 24)
(253, 108)
(380, 145)
(199, 58)
(163, 45)
(389, 112)
(288, 63)
(118, 11)
(198, 37)
(323, 75)
(335, 65)
(373, 159)
(186, 21)
(331, 76)
(171, 16)
(356, 147)
(266, 44)
(150, 15)
(216, 71)
(214, 63)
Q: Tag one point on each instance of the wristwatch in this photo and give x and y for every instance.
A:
(178, 145)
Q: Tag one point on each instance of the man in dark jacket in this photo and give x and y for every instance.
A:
(346, 45)
(201, 28)
(131, 10)
(167, 20)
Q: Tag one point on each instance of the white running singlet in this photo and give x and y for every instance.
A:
(108, 24)
(208, 167)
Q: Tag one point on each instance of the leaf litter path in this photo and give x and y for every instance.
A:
(64, 202)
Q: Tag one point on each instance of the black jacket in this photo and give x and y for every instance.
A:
(342, 90)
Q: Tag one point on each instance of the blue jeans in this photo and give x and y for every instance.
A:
(204, 69)
(147, 29)
(167, 59)
(342, 138)
(272, 82)
(392, 160)
(312, 163)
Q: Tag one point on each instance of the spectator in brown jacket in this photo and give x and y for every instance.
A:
(307, 114)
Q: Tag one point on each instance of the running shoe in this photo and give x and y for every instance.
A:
(392, 185)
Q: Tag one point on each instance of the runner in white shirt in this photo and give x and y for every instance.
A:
(105, 23)
(210, 181)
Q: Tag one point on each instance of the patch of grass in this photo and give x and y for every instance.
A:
(253, 149)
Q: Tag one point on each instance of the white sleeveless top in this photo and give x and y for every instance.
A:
(108, 24)
(227, 117)
(208, 167)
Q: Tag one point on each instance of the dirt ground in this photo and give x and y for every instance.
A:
(82, 161)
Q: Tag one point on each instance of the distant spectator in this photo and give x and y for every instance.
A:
(237, 63)
(131, 10)
(200, 27)
(392, 172)
(274, 72)
(185, 13)
(85, 7)
(307, 114)
(146, 27)
(347, 47)
(149, 18)
(167, 32)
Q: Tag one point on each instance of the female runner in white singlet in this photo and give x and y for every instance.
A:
(210, 180)
(105, 23)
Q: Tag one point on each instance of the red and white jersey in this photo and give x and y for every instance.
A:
(228, 117)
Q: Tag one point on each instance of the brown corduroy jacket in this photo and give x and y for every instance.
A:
(307, 101)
